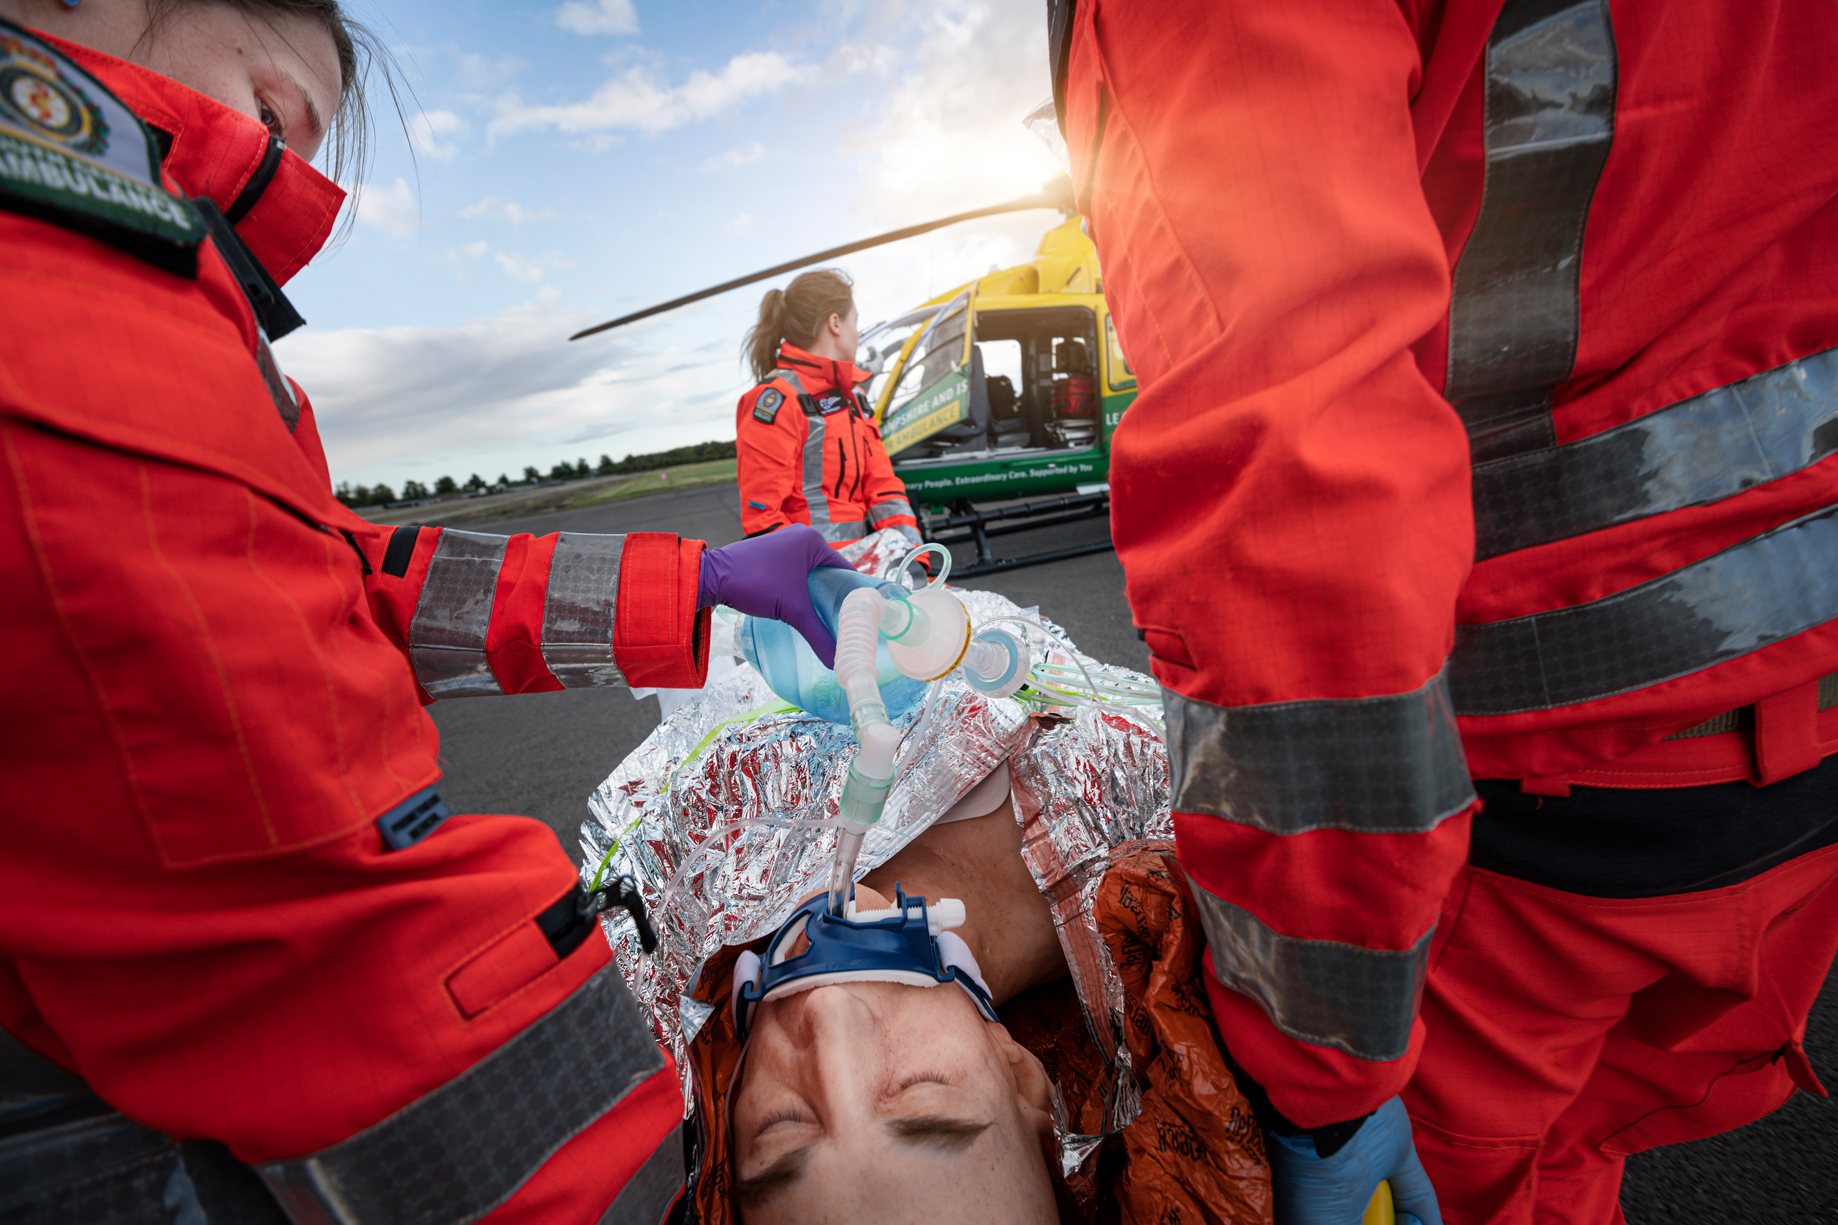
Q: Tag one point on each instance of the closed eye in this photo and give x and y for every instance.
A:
(788, 1115)
(923, 1078)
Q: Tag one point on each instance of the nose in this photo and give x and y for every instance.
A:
(839, 1040)
(833, 1016)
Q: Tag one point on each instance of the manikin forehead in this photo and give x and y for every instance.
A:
(879, 1100)
(859, 1053)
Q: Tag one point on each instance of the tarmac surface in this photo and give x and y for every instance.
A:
(542, 754)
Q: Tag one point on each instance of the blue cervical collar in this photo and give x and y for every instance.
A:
(899, 945)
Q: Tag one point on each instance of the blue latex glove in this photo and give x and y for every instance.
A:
(766, 576)
(1314, 1190)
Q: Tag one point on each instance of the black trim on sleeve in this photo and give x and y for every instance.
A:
(401, 549)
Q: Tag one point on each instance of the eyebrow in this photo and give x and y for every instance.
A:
(754, 1191)
(313, 119)
(936, 1131)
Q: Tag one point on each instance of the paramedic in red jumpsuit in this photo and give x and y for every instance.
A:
(1488, 431)
(237, 911)
(809, 450)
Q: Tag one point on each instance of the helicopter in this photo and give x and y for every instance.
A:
(997, 399)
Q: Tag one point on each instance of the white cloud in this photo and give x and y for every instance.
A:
(520, 267)
(734, 159)
(502, 391)
(428, 127)
(637, 101)
(601, 17)
(947, 136)
(740, 225)
(478, 72)
(876, 59)
(392, 209)
(491, 208)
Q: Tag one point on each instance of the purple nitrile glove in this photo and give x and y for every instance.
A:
(767, 576)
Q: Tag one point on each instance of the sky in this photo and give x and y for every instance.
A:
(567, 161)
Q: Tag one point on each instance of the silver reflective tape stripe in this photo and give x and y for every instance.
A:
(1700, 450)
(101, 1170)
(814, 498)
(1748, 596)
(1513, 313)
(446, 639)
(577, 615)
(890, 508)
(1385, 765)
(649, 1196)
(1358, 1000)
(790, 376)
(843, 532)
(463, 1149)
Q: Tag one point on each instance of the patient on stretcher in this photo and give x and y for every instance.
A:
(883, 1101)
(1039, 1048)
(901, 1103)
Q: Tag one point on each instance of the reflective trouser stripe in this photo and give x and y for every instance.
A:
(67, 1159)
(1727, 605)
(650, 1194)
(1358, 1000)
(577, 615)
(446, 638)
(461, 1150)
(1709, 447)
(1383, 765)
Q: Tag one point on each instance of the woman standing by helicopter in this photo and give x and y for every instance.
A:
(809, 449)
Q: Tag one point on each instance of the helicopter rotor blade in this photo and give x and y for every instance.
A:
(1057, 195)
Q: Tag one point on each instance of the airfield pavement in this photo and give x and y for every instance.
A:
(542, 754)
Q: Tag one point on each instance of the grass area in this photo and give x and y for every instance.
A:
(713, 472)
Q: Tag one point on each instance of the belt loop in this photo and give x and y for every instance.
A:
(1556, 785)
(1787, 733)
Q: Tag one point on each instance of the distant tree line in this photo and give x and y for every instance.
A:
(415, 491)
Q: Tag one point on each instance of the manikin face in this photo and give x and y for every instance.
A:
(888, 1103)
(281, 70)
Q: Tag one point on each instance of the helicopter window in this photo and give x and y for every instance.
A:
(881, 344)
(1121, 376)
(940, 350)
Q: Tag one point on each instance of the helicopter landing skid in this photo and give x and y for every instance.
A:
(967, 524)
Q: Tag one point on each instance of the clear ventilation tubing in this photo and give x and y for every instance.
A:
(900, 571)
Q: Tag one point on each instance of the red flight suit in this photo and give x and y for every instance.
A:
(236, 907)
(810, 453)
(1486, 430)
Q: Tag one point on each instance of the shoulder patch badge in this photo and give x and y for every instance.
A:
(767, 406)
(70, 152)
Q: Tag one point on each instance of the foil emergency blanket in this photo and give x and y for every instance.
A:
(873, 553)
(750, 776)
(1082, 787)
(758, 781)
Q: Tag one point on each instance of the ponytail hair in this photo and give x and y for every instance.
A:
(796, 313)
